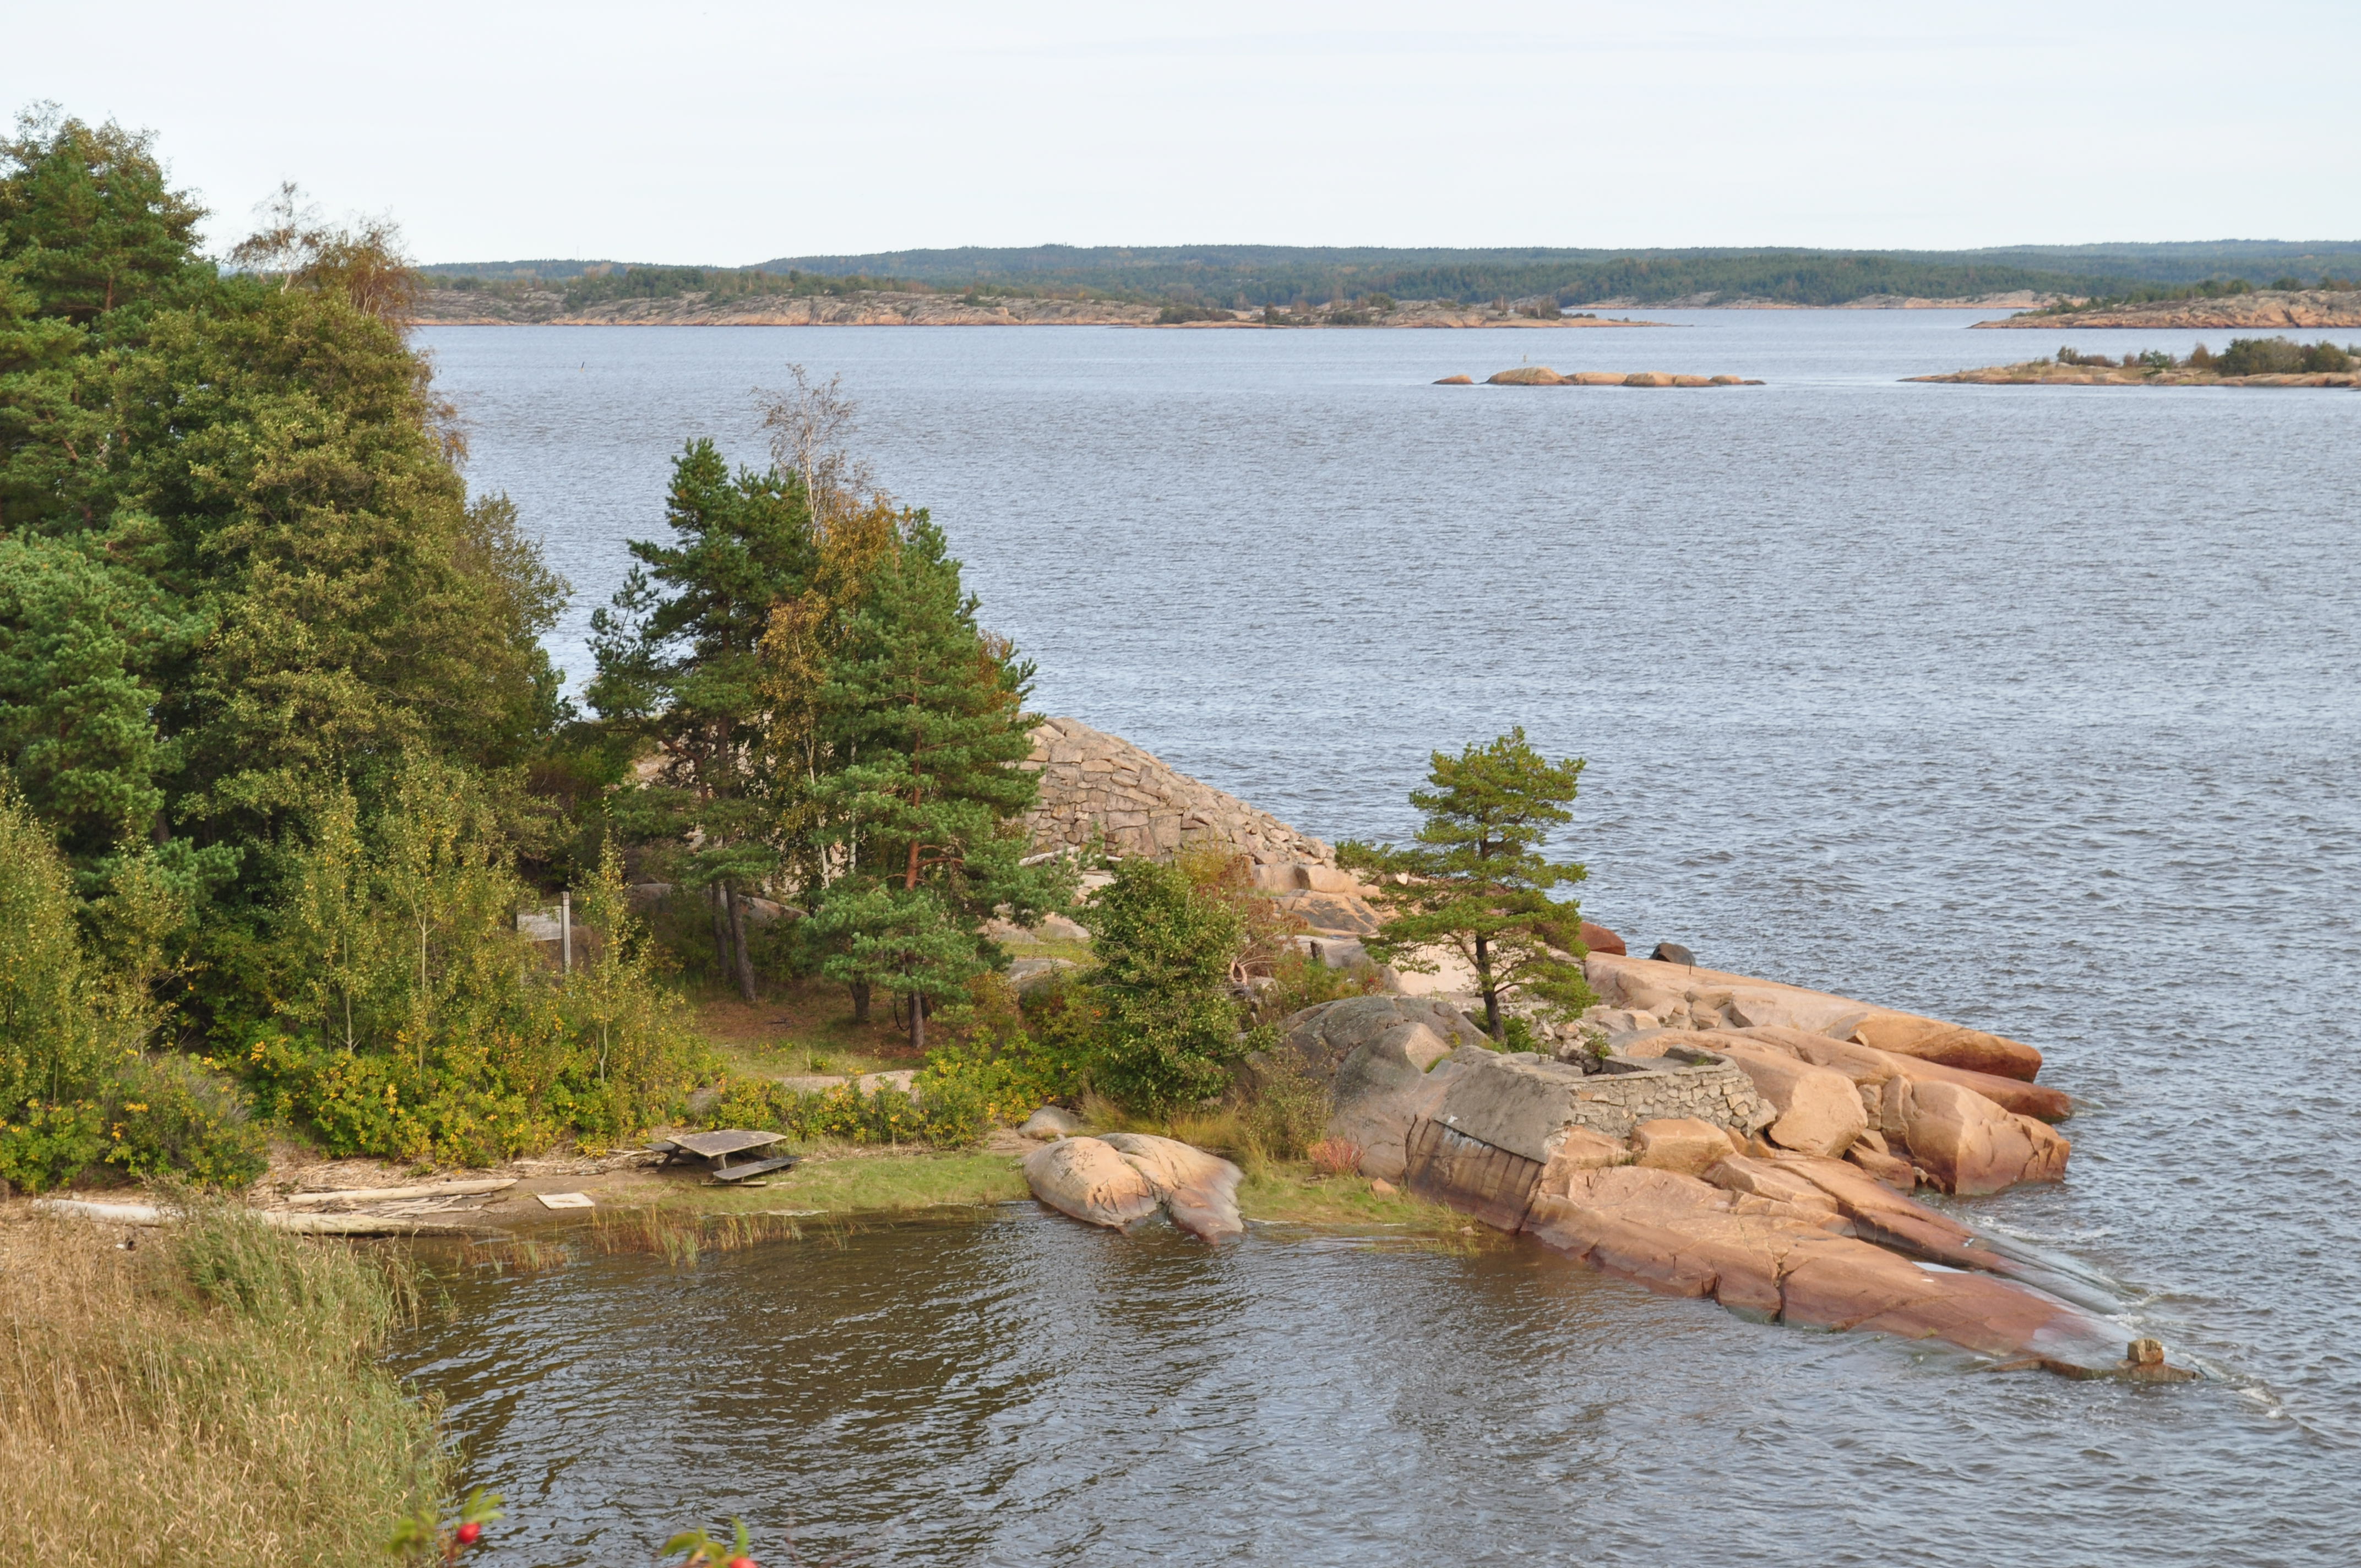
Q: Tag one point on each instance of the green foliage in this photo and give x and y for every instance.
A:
(1300, 981)
(924, 721)
(1476, 879)
(86, 217)
(680, 669)
(416, 1022)
(1285, 1109)
(1169, 1029)
(46, 1145)
(173, 1118)
(2278, 357)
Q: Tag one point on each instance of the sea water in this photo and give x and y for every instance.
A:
(2038, 708)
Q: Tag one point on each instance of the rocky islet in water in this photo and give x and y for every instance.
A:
(1701, 1133)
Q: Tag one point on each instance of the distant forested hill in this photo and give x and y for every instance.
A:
(1249, 275)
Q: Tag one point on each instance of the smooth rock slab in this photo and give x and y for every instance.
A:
(1121, 1178)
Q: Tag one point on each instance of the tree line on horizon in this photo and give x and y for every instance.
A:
(1249, 276)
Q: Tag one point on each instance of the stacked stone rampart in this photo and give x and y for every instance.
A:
(1094, 783)
(1614, 1102)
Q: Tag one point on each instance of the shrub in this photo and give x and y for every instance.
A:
(2261, 356)
(2325, 355)
(1299, 980)
(1284, 1108)
(174, 1117)
(45, 1146)
(1170, 1028)
(1336, 1157)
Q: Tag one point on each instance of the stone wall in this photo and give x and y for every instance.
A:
(1713, 1089)
(1094, 782)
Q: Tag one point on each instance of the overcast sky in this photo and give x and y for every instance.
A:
(735, 132)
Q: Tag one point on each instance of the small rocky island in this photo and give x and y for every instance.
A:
(2258, 310)
(1543, 376)
(1702, 1133)
(2248, 362)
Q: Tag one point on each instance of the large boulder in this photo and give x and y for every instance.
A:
(1323, 1036)
(1770, 1257)
(1820, 1111)
(1089, 1179)
(1599, 940)
(1123, 1178)
(1678, 1143)
(1199, 1190)
(1967, 1144)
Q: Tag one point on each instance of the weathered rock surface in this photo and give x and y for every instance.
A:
(2265, 310)
(1774, 1258)
(1966, 1144)
(1089, 1179)
(1599, 940)
(1869, 1067)
(1679, 1143)
(1374, 1053)
(1819, 1110)
(1679, 995)
(1199, 1189)
(1094, 783)
(1121, 1178)
(1051, 1122)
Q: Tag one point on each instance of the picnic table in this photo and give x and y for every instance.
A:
(715, 1149)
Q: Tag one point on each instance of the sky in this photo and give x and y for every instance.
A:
(731, 133)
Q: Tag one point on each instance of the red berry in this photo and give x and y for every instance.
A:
(468, 1533)
(742, 1562)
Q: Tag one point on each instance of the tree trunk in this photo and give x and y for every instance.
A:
(721, 929)
(860, 989)
(917, 1022)
(1491, 997)
(738, 942)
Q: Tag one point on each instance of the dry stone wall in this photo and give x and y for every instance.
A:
(1094, 783)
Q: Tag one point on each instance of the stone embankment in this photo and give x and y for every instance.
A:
(1543, 376)
(2264, 310)
(1096, 786)
(2045, 373)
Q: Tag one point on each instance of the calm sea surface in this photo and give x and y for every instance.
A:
(2037, 708)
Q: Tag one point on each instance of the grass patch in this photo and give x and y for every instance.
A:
(212, 1398)
(875, 1180)
(1287, 1193)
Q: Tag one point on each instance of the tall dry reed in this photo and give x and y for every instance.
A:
(212, 1397)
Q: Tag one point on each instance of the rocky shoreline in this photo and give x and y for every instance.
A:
(2047, 373)
(2265, 310)
(1702, 1133)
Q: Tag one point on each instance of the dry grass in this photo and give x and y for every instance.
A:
(680, 1237)
(212, 1398)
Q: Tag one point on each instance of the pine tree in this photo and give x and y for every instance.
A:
(925, 720)
(680, 664)
(1476, 879)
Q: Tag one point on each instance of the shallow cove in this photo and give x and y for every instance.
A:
(2031, 707)
(1018, 1388)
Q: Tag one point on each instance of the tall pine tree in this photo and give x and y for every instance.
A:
(927, 723)
(680, 664)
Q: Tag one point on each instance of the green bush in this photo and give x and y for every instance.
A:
(1169, 1029)
(45, 1146)
(173, 1118)
(2260, 356)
